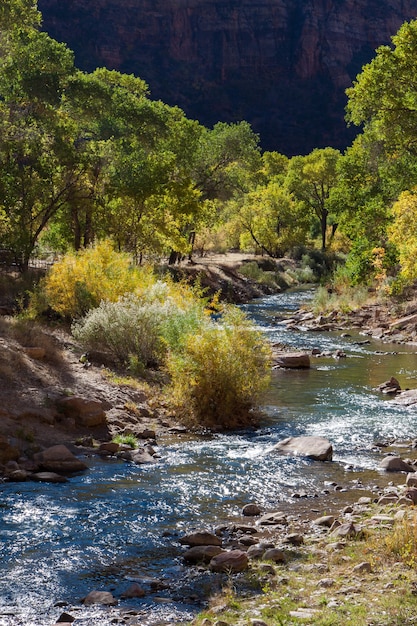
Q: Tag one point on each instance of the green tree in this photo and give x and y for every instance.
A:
(310, 179)
(36, 138)
(384, 96)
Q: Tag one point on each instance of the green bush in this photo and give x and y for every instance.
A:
(218, 376)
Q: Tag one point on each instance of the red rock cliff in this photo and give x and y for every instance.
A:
(281, 64)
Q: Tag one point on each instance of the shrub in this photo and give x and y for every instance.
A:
(138, 331)
(81, 280)
(218, 376)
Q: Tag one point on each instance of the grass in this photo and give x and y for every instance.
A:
(345, 300)
(128, 440)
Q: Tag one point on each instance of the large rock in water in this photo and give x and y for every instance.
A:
(59, 459)
(292, 360)
(316, 448)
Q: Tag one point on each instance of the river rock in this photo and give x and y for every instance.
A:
(273, 519)
(48, 477)
(295, 539)
(17, 476)
(411, 494)
(201, 538)
(274, 554)
(134, 591)
(59, 459)
(256, 551)
(85, 412)
(316, 448)
(390, 387)
(411, 480)
(251, 510)
(108, 447)
(395, 464)
(292, 360)
(407, 397)
(231, 562)
(139, 457)
(346, 530)
(65, 618)
(201, 554)
(99, 597)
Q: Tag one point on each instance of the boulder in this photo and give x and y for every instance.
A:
(230, 562)
(59, 459)
(395, 464)
(99, 597)
(316, 448)
(85, 412)
(201, 538)
(201, 554)
(292, 360)
(407, 397)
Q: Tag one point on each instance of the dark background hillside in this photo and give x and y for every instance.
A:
(283, 65)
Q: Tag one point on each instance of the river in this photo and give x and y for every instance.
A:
(119, 523)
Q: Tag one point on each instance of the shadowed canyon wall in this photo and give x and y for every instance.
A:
(283, 65)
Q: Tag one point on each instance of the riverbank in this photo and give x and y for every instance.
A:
(42, 365)
(355, 566)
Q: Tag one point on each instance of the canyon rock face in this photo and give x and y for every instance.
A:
(283, 65)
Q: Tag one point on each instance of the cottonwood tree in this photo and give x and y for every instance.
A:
(310, 179)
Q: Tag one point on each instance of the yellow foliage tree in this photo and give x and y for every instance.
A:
(403, 234)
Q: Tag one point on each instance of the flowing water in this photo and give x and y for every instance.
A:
(119, 523)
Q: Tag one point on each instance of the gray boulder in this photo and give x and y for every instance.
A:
(316, 448)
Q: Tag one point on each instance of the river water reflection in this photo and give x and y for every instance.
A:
(119, 522)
